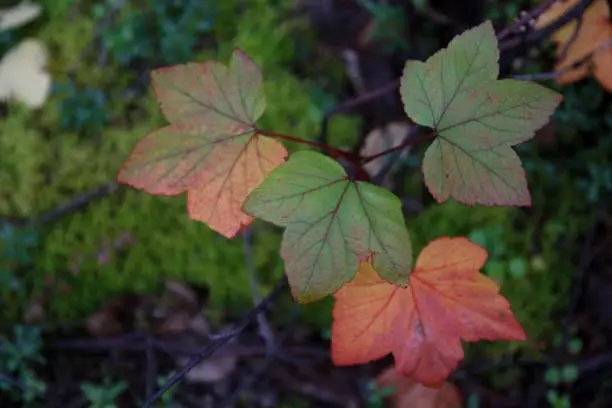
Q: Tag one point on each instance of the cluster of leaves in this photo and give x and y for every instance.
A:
(346, 237)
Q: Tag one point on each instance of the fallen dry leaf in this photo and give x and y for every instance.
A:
(411, 394)
(34, 313)
(178, 311)
(595, 35)
(213, 369)
(182, 292)
(112, 319)
(19, 15)
(210, 370)
(381, 139)
(23, 76)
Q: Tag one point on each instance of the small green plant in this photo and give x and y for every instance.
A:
(562, 375)
(16, 245)
(473, 401)
(499, 266)
(567, 374)
(557, 400)
(166, 400)
(18, 358)
(376, 395)
(103, 395)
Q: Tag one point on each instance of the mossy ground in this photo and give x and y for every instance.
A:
(101, 107)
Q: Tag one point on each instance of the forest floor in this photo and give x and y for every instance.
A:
(106, 291)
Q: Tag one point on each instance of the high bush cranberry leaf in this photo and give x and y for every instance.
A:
(447, 300)
(595, 33)
(331, 224)
(211, 148)
(476, 119)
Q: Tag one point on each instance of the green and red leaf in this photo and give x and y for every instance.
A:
(476, 119)
(210, 149)
(331, 224)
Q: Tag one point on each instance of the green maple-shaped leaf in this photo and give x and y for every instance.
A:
(211, 149)
(331, 224)
(476, 119)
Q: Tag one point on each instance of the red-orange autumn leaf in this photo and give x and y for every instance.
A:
(210, 149)
(447, 300)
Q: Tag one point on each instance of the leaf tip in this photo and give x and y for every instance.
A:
(239, 53)
(488, 24)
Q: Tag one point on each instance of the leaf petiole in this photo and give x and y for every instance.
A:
(334, 152)
(401, 146)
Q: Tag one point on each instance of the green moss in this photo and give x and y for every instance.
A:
(66, 43)
(343, 130)
(21, 175)
(78, 251)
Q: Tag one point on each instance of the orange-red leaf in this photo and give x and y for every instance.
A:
(211, 149)
(219, 197)
(447, 300)
(594, 35)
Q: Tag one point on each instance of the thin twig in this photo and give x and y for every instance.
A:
(351, 58)
(118, 342)
(525, 20)
(572, 39)
(537, 35)
(272, 343)
(555, 74)
(208, 351)
(137, 342)
(262, 322)
(99, 28)
(76, 203)
(586, 258)
(334, 152)
(349, 105)
(151, 366)
(395, 156)
(407, 142)
(441, 18)
(250, 381)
